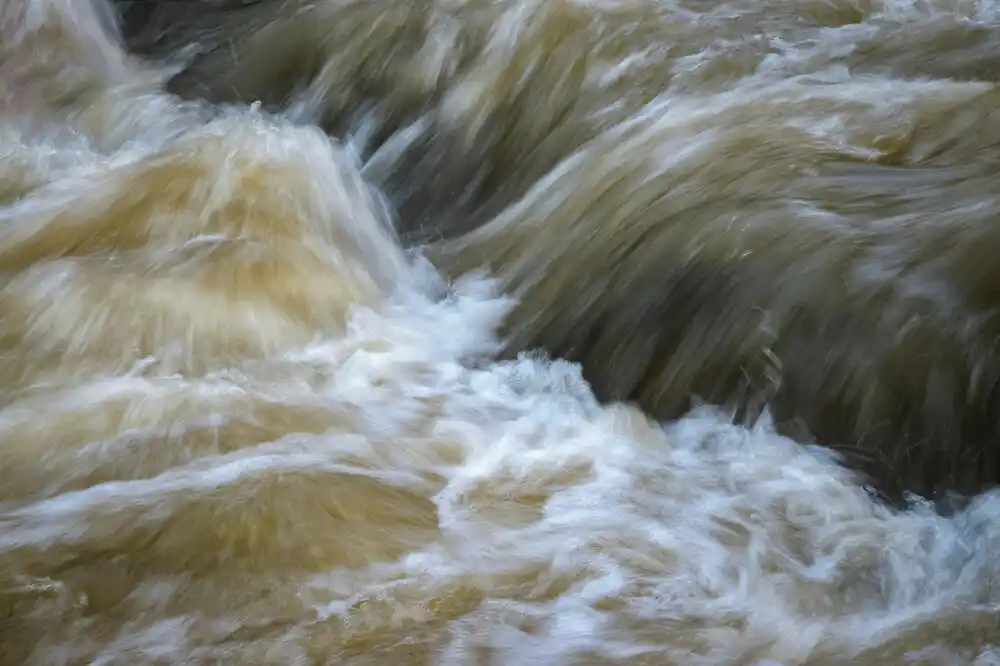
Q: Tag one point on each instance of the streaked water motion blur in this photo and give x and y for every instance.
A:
(499, 332)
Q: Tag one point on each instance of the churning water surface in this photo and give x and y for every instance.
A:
(499, 332)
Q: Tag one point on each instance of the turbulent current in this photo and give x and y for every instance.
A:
(500, 332)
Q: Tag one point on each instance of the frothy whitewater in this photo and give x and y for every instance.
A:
(339, 332)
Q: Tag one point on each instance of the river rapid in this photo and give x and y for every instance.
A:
(500, 332)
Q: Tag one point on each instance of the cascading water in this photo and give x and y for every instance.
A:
(380, 332)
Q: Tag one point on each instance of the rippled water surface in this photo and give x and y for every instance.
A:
(499, 332)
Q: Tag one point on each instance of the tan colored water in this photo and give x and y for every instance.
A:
(269, 271)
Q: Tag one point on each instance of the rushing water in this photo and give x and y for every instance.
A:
(499, 332)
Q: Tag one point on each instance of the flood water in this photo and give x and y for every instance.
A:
(499, 332)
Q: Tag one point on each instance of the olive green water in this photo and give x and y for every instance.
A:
(510, 332)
